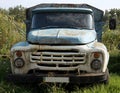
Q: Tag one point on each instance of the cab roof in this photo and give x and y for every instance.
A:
(62, 9)
(98, 14)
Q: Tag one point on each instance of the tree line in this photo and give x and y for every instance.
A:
(18, 13)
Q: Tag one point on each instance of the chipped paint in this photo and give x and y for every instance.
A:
(24, 46)
(81, 48)
(99, 45)
(61, 36)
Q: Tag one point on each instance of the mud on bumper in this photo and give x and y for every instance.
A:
(33, 78)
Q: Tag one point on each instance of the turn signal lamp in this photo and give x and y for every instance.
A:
(18, 53)
(96, 54)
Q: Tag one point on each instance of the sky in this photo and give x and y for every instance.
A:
(101, 4)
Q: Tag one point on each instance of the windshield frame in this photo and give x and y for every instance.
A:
(79, 12)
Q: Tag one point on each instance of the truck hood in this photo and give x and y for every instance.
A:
(61, 36)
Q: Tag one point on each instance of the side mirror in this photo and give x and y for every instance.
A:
(112, 24)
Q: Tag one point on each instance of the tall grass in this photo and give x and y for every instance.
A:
(111, 38)
(10, 32)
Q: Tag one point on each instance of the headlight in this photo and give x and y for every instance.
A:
(96, 64)
(19, 63)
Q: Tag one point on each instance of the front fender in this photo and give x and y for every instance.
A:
(25, 48)
(103, 48)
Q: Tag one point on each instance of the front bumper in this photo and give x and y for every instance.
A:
(34, 78)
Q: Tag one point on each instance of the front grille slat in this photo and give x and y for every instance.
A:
(58, 57)
(58, 62)
(57, 53)
(35, 57)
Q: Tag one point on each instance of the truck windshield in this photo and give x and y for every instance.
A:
(62, 20)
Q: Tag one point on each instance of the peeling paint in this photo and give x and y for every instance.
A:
(61, 36)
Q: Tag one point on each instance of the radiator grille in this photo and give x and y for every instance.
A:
(60, 58)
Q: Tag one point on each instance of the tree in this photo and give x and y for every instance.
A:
(18, 13)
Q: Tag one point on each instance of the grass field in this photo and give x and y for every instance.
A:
(112, 87)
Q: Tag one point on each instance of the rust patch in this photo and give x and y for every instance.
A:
(98, 44)
(71, 33)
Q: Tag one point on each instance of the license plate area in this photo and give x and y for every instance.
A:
(56, 79)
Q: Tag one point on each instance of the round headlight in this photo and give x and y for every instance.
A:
(96, 64)
(19, 63)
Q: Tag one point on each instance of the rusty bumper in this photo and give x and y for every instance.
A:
(81, 79)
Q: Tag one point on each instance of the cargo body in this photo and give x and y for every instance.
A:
(61, 46)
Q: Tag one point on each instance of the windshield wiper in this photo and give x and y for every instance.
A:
(73, 27)
(45, 27)
(79, 27)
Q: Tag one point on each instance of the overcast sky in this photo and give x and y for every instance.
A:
(101, 4)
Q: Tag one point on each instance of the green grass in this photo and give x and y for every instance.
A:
(112, 87)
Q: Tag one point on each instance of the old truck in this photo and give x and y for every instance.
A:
(63, 45)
